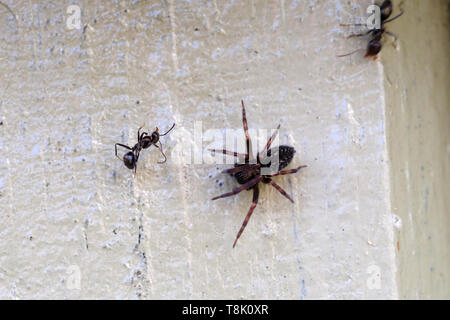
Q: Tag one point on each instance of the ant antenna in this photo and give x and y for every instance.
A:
(167, 131)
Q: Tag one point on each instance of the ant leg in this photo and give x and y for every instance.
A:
(269, 143)
(160, 149)
(136, 155)
(122, 145)
(353, 25)
(247, 136)
(396, 17)
(161, 135)
(142, 136)
(348, 54)
(359, 34)
(139, 135)
(393, 35)
(249, 214)
(285, 172)
(281, 190)
(237, 190)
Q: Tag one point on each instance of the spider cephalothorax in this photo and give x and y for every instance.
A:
(144, 141)
(249, 171)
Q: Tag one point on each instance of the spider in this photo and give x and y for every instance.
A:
(249, 174)
(145, 140)
(374, 47)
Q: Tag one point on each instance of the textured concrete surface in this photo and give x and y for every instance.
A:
(76, 224)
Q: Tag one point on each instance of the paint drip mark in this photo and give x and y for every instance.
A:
(86, 224)
(303, 290)
(173, 29)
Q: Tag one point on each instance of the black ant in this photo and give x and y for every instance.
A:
(249, 175)
(374, 47)
(145, 140)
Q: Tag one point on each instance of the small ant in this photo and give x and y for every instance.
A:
(374, 47)
(145, 140)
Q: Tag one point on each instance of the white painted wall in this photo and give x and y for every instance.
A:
(72, 214)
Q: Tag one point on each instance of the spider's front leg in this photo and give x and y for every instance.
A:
(237, 190)
(247, 135)
(285, 172)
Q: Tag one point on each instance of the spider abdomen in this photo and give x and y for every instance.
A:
(281, 156)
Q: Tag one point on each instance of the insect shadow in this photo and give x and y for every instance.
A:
(248, 171)
(375, 44)
(145, 141)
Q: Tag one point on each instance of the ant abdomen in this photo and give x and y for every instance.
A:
(373, 48)
(129, 160)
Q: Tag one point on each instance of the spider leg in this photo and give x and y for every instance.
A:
(243, 187)
(167, 131)
(281, 190)
(249, 214)
(269, 142)
(247, 136)
(242, 168)
(285, 172)
(230, 153)
(160, 149)
(122, 145)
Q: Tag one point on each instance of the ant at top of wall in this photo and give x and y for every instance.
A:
(145, 140)
(374, 47)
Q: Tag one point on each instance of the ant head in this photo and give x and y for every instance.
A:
(373, 48)
(129, 160)
(386, 10)
(155, 135)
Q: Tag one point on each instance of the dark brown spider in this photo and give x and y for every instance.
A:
(145, 140)
(248, 172)
(374, 47)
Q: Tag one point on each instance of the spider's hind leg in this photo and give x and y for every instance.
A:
(249, 214)
(280, 190)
